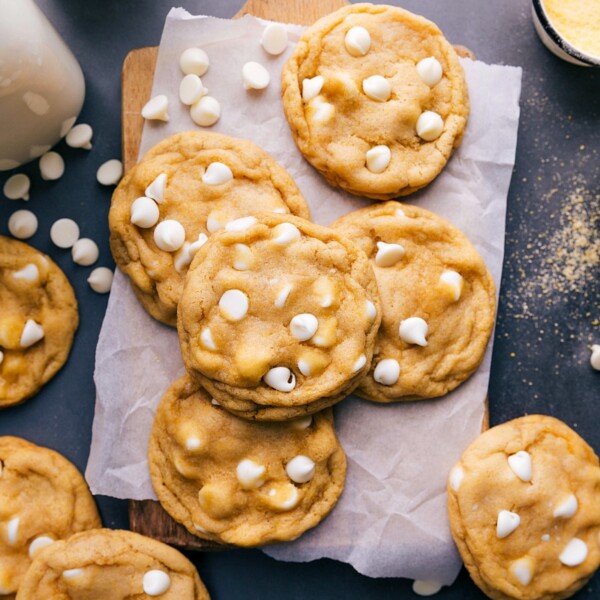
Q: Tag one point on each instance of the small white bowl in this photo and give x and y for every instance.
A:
(555, 42)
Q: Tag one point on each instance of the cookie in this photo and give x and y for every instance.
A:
(376, 100)
(437, 298)
(104, 563)
(193, 184)
(43, 498)
(524, 510)
(38, 320)
(237, 482)
(278, 317)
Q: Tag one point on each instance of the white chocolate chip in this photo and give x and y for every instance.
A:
(274, 38)
(195, 246)
(169, 235)
(429, 126)
(424, 587)
(430, 71)
(304, 367)
(359, 363)
(217, 173)
(64, 233)
(156, 109)
(32, 333)
(545, 538)
(280, 379)
(304, 326)
(357, 41)
(194, 61)
(522, 569)
(255, 76)
(110, 172)
(100, 280)
(17, 187)
(311, 87)
(29, 272)
(371, 311)
(1, 361)
(243, 257)
(191, 89)
(595, 357)
(507, 522)
(193, 443)
(301, 423)
(282, 295)
(233, 305)
(400, 213)
(12, 530)
(213, 223)
(80, 137)
(388, 254)
(300, 469)
(156, 190)
(215, 402)
(36, 103)
(456, 477)
(378, 159)
(182, 258)
(413, 331)
(52, 166)
(156, 582)
(567, 508)
(144, 212)
(285, 233)
(520, 464)
(250, 474)
(22, 224)
(72, 573)
(377, 88)
(387, 371)
(85, 252)
(284, 497)
(574, 553)
(207, 340)
(240, 224)
(206, 111)
(321, 111)
(40, 542)
(455, 281)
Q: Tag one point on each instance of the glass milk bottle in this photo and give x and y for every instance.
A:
(41, 84)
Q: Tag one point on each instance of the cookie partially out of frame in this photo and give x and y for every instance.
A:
(365, 110)
(524, 510)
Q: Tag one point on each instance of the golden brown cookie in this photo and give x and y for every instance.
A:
(237, 482)
(524, 507)
(38, 319)
(43, 498)
(278, 317)
(193, 184)
(105, 564)
(437, 299)
(376, 99)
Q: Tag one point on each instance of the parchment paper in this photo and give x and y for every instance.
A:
(391, 520)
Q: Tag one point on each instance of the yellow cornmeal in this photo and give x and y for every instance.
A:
(578, 21)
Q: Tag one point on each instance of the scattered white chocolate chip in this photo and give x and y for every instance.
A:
(282, 295)
(255, 76)
(430, 70)
(206, 111)
(243, 258)
(156, 582)
(429, 126)
(38, 543)
(110, 172)
(284, 497)
(64, 233)
(12, 530)
(72, 573)
(144, 212)
(304, 367)
(285, 233)
(321, 111)
(215, 402)
(387, 371)
(274, 38)
(311, 87)
(520, 464)
(304, 326)
(423, 587)
(240, 224)
(574, 553)
(194, 61)
(377, 88)
(22, 224)
(195, 246)
(156, 109)
(413, 331)
(85, 252)
(522, 569)
(36, 103)
(280, 379)
(193, 443)
(370, 310)
(567, 508)
(300, 469)
(191, 89)
(507, 522)
(250, 474)
(233, 305)
(595, 357)
(52, 166)
(80, 137)
(388, 254)
(456, 477)
(29, 272)
(100, 280)
(455, 281)
(378, 159)
(545, 538)
(169, 235)
(301, 423)
(359, 363)
(32, 333)
(213, 223)
(182, 258)
(207, 340)
(156, 190)
(17, 187)
(357, 41)
(400, 213)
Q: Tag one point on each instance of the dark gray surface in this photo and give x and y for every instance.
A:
(547, 319)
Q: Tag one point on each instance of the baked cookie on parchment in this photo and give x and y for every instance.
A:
(237, 482)
(38, 319)
(524, 508)
(376, 99)
(183, 189)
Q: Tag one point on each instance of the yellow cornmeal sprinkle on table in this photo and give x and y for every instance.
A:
(578, 21)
